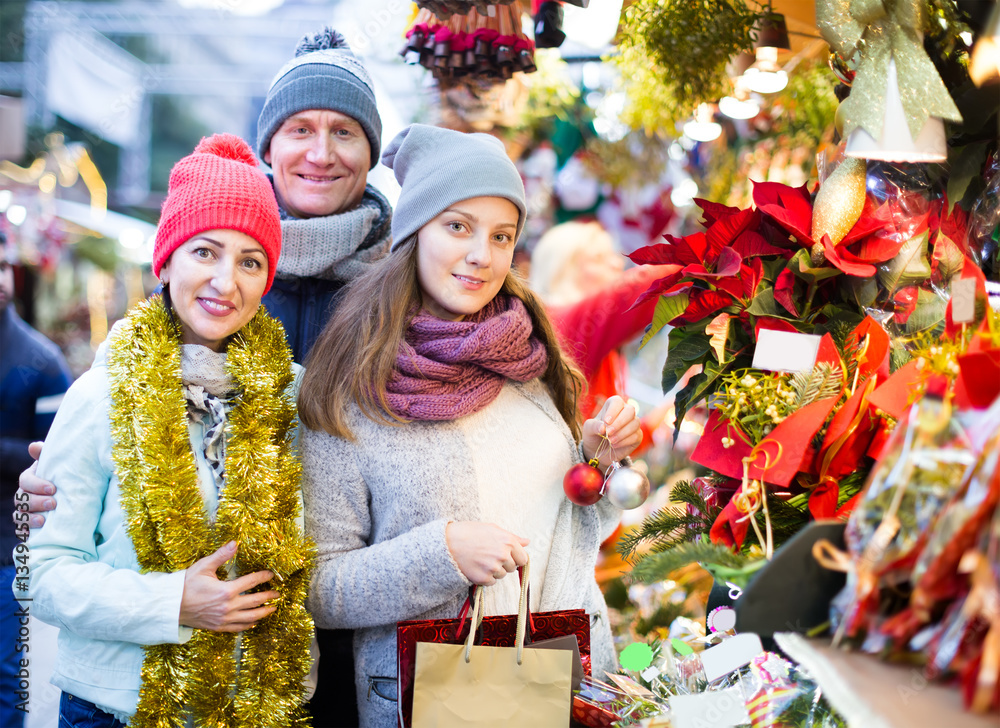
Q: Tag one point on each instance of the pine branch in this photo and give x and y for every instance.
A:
(822, 382)
(685, 492)
(665, 529)
(672, 525)
(657, 566)
(786, 521)
(850, 485)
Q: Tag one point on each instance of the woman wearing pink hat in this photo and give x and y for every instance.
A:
(175, 564)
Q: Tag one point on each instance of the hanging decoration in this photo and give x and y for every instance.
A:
(877, 33)
(548, 23)
(673, 55)
(472, 48)
(446, 8)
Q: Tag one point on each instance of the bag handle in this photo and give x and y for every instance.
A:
(522, 617)
(463, 613)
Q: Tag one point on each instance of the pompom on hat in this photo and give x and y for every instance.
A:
(219, 187)
(438, 167)
(324, 74)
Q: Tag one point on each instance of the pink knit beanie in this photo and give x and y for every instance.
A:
(219, 187)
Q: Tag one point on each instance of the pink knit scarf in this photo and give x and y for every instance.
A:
(449, 369)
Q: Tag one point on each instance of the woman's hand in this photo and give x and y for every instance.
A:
(484, 552)
(34, 494)
(221, 606)
(618, 421)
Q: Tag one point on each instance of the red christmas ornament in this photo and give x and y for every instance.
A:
(582, 484)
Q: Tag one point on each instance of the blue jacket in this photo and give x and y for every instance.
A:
(33, 378)
(303, 306)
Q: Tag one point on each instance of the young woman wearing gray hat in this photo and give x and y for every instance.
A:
(439, 419)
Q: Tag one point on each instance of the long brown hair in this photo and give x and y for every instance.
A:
(354, 356)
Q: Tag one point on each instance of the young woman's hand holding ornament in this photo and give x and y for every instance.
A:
(617, 421)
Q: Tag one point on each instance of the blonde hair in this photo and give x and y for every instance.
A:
(355, 354)
(553, 259)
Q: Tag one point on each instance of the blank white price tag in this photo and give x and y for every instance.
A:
(963, 300)
(785, 351)
(717, 709)
(731, 654)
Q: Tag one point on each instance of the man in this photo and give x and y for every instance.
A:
(33, 378)
(320, 133)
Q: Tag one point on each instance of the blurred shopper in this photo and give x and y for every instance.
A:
(33, 378)
(580, 276)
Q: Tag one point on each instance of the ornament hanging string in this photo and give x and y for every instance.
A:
(753, 495)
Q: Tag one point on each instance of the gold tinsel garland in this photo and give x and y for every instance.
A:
(170, 529)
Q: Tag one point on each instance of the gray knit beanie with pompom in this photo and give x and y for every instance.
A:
(324, 74)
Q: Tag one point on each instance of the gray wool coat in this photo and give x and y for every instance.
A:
(377, 509)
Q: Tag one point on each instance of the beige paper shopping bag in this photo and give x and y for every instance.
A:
(457, 686)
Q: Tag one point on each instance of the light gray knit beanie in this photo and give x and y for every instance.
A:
(438, 167)
(324, 74)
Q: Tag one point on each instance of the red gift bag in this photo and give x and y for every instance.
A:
(497, 631)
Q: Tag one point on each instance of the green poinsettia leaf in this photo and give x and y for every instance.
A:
(687, 346)
(965, 166)
(773, 267)
(910, 267)
(698, 388)
(683, 400)
(667, 309)
(801, 265)
(948, 258)
(929, 312)
(763, 304)
(837, 314)
(862, 290)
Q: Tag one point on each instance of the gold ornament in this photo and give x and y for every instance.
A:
(879, 30)
(839, 204)
(170, 530)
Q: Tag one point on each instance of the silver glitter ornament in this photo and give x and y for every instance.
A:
(627, 487)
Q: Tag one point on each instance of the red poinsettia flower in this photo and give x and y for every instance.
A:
(715, 258)
(791, 208)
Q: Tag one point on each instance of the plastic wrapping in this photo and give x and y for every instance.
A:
(785, 696)
(958, 529)
(984, 223)
(925, 461)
